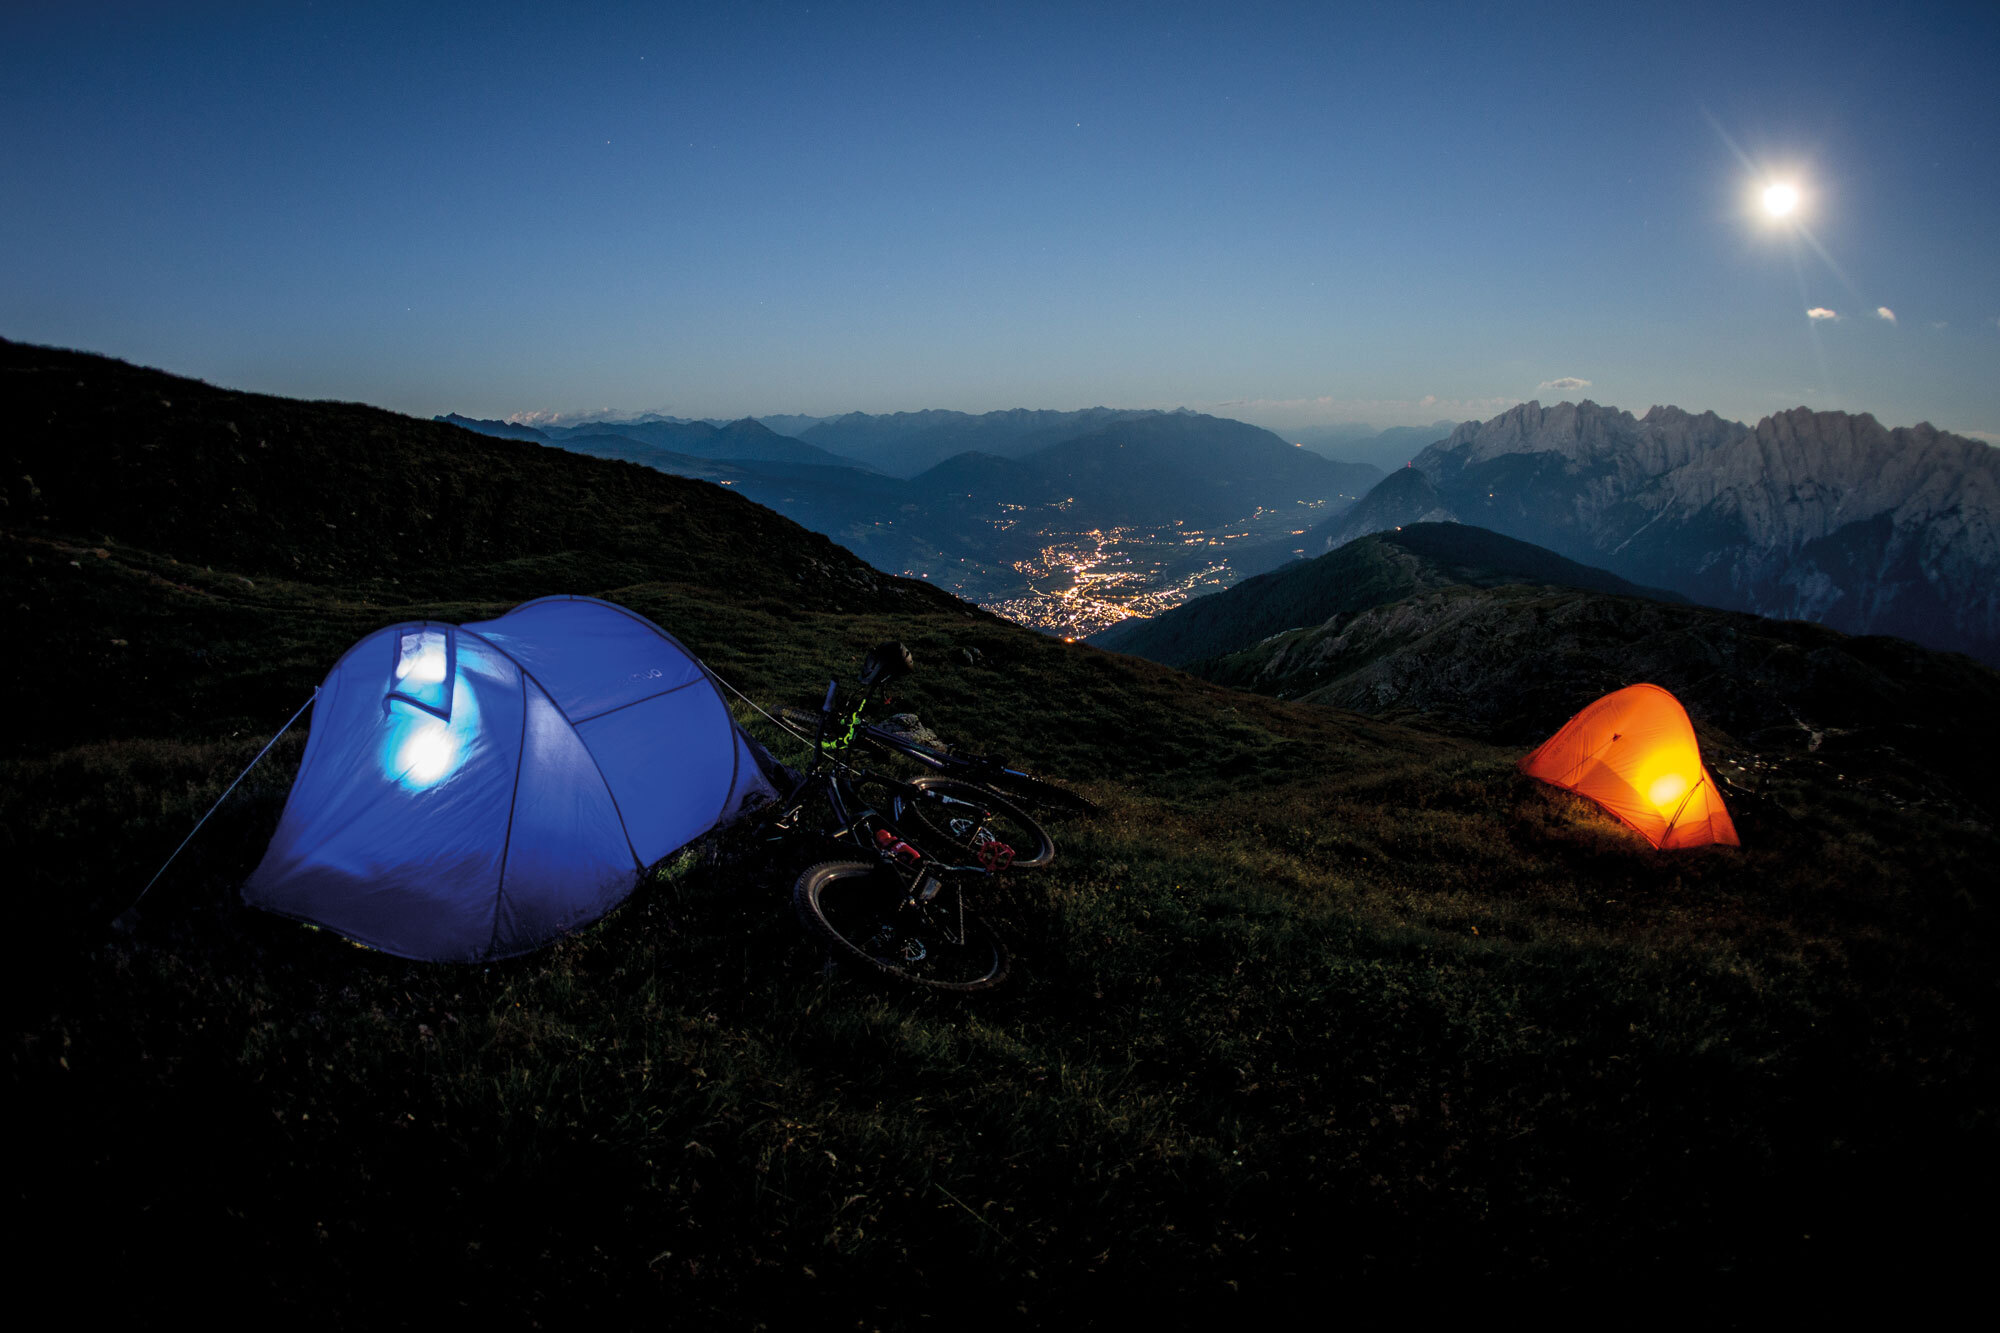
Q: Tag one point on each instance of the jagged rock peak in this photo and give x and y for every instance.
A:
(1586, 433)
(1803, 474)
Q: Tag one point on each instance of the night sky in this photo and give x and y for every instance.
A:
(1292, 214)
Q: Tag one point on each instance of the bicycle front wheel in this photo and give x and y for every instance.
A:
(929, 938)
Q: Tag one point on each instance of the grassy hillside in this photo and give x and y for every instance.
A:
(1321, 1009)
(1502, 662)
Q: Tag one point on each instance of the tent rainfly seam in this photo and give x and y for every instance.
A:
(527, 675)
(513, 800)
(629, 703)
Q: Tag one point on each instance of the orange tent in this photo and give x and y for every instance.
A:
(1634, 753)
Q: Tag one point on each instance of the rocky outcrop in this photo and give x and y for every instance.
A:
(1588, 435)
(1837, 519)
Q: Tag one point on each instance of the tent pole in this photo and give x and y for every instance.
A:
(126, 920)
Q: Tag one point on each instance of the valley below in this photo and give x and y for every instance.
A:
(1074, 582)
(1066, 536)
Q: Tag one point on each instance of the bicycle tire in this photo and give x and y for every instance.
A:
(952, 817)
(1031, 790)
(1022, 787)
(801, 722)
(863, 913)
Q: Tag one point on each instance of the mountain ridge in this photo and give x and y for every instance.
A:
(1368, 572)
(905, 444)
(1827, 516)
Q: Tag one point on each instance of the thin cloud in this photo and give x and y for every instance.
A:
(1821, 312)
(541, 417)
(1884, 312)
(1567, 384)
(545, 417)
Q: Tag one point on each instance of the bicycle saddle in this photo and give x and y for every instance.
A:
(885, 662)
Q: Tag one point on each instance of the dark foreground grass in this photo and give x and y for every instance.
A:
(1320, 1009)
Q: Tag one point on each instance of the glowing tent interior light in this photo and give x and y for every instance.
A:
(426, 752)
(1634, 753)
(430, 713)
(1665, 791)
(419, 749)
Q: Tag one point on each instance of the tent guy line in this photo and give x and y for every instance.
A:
(123, 919)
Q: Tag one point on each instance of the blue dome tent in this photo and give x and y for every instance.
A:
(473, 791)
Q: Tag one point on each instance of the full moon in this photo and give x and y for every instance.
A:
(1780, 200)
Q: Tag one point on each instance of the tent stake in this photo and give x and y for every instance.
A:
(127, 920)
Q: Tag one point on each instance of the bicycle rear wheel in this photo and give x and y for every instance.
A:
(801, 722)
(865, 913)
(1039, 792)
(959, 820)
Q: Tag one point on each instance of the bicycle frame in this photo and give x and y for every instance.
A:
(822, 777)
(825, 776)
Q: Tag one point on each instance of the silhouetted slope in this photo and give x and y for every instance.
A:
(1385, 568)
(1191, 467)
(984, 477)
(325, 491)
(907, 443)
(744, 439)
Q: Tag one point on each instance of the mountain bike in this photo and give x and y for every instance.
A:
(983, 770)
(916, 855)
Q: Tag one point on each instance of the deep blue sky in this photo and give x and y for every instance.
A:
(1289, 213)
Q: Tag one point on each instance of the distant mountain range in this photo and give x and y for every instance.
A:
(1808, 515)
(1818, 516)
(1152, 468)
(1176, 466)
(745, 439)
(905, 444)
(504, 430)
